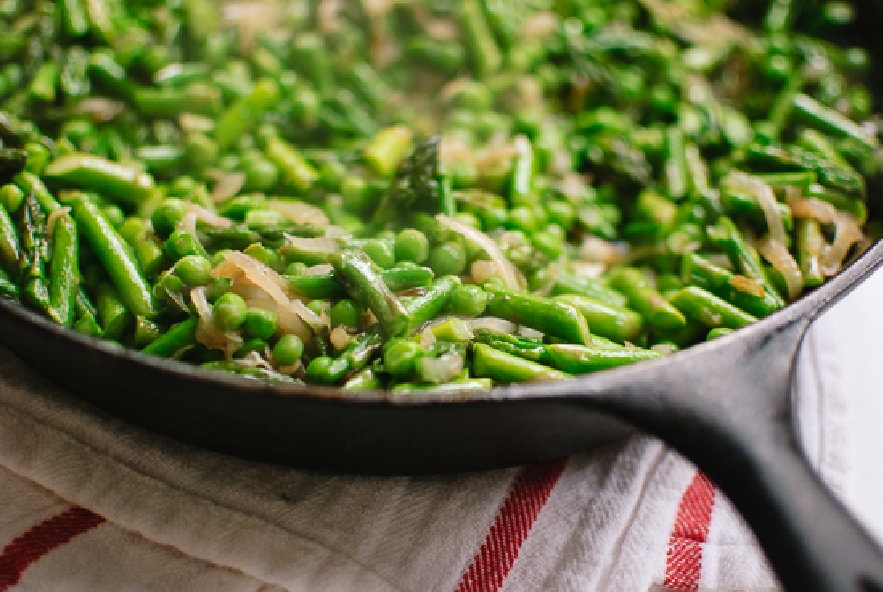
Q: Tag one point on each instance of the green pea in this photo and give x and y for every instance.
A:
(262, 254)
(856, 58)
(345, 313)
(230, 311)
(182, 186)
(400, 358)
(332, 173)
(114, 215)
(181, 243)
(172, 283)
(562, 213)
(194, 270)
(150, 257)
(355, 193)
(548, 244)
(252, 345)
(134, 230)
(11, 197)
(260, 323)
(217, 287)
(201, 151)
(260, 174)
(319, 369)
(411, 245)
(474, 97)
(381, 252)
(288, 350)
(838, 13)
(468, 300)
(522, 218)
(448, 259)
(167, 216)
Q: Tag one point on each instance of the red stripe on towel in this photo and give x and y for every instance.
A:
(683, 565)
(40, 540)
(513, 522)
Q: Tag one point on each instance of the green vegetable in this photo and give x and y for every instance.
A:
(506, 368)
(362, 280)
(547, 316)
(64, 272)
(116, 257)
(444, 196)
(710, 310)
(646, 300)
(124, 183)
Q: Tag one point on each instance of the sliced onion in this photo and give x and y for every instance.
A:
(504, 267)
(598, 250)
(207, 333)
(251, 18)
(751, 185)
(442, 30)
(328, 16)
(100, 110)
(289, 321)
(452, 150)
(291, 369)
(53, 217)
(188, 223)
(255, 360)
(377, 8)
(227, 185)
(497, 152)
(332, 231)
(442, 369)
(451, 90)
(427, 338)
(482, 270)
(664, 348)
(249, 274)
(571, 185)
(747, 285)
(191, 122)
(530, 333)
(322, 269)
(776, 253)
(316, 323)
(299, 212)
(208, 216)
(495, 324)
(324, 245)
(241, 268)
(847, 232)
(813, 208)
(339, 338)
(539, 26)
(587, 270)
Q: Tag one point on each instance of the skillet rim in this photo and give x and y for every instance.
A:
(810, 306)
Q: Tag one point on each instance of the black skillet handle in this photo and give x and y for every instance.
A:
(730, 413)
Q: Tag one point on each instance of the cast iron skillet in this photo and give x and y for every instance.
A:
(725, 404)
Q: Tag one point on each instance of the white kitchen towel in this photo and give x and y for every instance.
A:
(92, 503)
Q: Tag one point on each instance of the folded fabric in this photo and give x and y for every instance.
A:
(93, 503)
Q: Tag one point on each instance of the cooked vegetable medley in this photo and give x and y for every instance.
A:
(425, 194)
